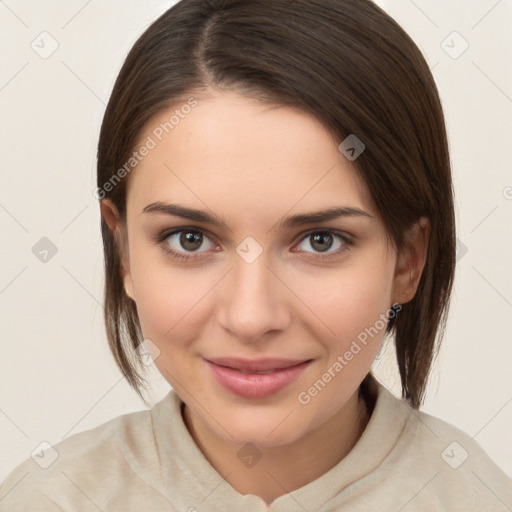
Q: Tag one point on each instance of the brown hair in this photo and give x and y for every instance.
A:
(347, 63)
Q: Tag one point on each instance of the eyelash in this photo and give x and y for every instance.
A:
(162, 237)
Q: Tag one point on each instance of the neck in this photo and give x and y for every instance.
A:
(283, 469)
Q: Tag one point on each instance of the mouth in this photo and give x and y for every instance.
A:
(256, 378)
(257, 366)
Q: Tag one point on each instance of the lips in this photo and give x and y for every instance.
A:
(258, 366)
(256, 378)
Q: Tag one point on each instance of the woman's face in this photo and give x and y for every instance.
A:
(259, 283)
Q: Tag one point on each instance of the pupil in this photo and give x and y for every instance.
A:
(324, 240)
(190, 241)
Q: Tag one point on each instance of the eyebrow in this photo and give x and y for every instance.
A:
(176, 210)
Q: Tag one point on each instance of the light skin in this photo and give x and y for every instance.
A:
(251, 166)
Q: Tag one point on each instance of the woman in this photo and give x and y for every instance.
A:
(276, 199)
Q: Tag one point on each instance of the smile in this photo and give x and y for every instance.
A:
(256, 379)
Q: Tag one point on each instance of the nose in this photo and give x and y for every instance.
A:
(253, 302)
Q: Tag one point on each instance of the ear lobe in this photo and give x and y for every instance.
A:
(127, 281)
(411, 261)
(111, 216)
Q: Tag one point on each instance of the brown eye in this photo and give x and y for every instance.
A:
(191, 241)
(321, 241)
(324, 243)
(184, 242)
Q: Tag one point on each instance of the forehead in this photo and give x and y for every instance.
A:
(232, 150)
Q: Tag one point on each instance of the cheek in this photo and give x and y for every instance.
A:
(348, 303)
(169, 300)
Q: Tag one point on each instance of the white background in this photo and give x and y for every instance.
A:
(57, 375)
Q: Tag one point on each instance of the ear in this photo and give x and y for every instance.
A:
(411, 261)
(111, 216)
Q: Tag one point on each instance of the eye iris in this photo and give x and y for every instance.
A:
(187, 238)
(324, 241)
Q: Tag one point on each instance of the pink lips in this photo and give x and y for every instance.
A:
(244, 377)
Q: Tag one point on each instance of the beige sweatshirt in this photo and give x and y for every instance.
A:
(147, 462)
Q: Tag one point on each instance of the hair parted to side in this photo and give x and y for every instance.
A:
(350, 65)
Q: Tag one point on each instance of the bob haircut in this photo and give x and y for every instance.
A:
(346, 62)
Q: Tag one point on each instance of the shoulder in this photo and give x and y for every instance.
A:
(77, 472)
(448, 468)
